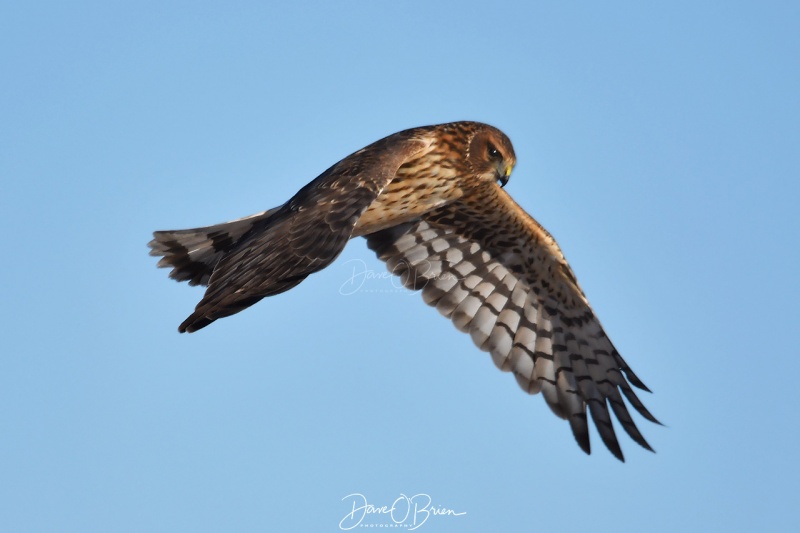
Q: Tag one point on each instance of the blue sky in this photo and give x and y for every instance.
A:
(658, 143)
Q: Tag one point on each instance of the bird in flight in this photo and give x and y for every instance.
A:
(430, 202)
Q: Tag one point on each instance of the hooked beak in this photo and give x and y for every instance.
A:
(503, 178)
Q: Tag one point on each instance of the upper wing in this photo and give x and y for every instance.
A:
(304, 235)
(492, 269)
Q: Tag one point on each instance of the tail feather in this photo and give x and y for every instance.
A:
(193, 253)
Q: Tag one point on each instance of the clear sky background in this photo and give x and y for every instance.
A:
(657, 142)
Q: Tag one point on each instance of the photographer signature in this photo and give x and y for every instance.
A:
(409, 511)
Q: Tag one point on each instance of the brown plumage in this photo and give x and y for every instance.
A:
(430, 203)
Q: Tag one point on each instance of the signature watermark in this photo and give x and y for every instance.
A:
(409, 512)
(364, 279)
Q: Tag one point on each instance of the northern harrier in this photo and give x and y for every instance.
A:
(430, 203)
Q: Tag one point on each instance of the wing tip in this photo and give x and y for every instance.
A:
(194, 323)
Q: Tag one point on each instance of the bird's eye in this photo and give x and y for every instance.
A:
(493, 152)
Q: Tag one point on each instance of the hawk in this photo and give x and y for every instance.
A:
(430, 202)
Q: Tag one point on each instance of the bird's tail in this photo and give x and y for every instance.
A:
(193, 253)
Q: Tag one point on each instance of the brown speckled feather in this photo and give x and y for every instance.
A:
(305, 234)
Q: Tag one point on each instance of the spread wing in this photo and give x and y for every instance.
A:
(304, 235)
(499, 276)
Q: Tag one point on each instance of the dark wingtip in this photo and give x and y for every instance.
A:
(631, 376)
(616, 451)
(580, 430)
(584, 444)
(194, 323)
(609, 438)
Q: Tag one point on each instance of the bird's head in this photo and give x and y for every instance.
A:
(491, 155)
